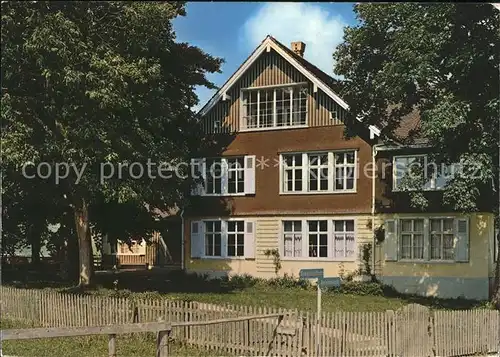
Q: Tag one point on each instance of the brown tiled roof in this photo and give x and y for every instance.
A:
(409, 129)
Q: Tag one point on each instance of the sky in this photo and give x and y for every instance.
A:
(232, 30)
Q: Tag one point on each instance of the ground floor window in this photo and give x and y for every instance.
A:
(324, 239)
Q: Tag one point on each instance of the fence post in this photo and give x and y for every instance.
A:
(112, 345)
(432, 335)
(162, 345)
(390, 341)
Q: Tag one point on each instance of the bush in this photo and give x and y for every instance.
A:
(288, 281)
(243, 281)
(360, 288)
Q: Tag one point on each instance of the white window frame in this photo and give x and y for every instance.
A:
(293, 233)
(331, 173)
(142, 244)
(224, 239)
(429, 185)
(236, 233)
(427, 243)
(293, 87)
(442, 233)
(305, 239)
(248, 172)
(205, 233)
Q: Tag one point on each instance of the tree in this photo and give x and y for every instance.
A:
(88, 83)
(442, 59)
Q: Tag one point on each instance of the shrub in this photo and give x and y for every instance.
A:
(288, 281)
(360, 288)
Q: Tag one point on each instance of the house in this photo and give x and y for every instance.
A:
(161, 249)
(283, 180)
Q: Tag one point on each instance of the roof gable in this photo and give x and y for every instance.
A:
(320, 79)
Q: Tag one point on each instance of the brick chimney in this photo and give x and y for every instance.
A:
(299, 48)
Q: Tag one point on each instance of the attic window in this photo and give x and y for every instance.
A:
(276, 107)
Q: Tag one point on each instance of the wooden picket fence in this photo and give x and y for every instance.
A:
(411, 331)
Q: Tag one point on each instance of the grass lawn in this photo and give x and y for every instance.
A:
(136, 345)
(243, 290)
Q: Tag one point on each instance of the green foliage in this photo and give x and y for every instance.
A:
(276, 258)
(87, 83)
(288, 281)
(359, 288)
(442, 59)
(366, 254)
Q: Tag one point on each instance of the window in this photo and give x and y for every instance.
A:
(318, 172)
(275, 107)
(441, 238)
(325, 239)
(293, 173)
(214, 176)
(412, 239)
(236, 175)
(224, 176)
(427, 239)
(318, 239)
(213, 239)
(344, 239)
(292, 238)
(433, 176)
(235, 239)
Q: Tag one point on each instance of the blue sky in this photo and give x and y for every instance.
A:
(232, 30)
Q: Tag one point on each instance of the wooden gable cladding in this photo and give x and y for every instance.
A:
(270, 70)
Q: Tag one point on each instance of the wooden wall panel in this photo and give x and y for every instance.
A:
(271, 69)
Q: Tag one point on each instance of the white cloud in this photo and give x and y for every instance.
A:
(319, 29)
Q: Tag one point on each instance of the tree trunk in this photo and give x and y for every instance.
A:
(496, 285)
(86, 266)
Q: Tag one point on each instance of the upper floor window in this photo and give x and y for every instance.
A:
(276, 107)
(224, 176)
(318, 172)
(431, 175)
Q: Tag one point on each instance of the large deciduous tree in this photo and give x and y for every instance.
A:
(442, 59)
(86, 83)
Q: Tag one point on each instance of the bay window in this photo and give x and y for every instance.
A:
(275, 107)
(326, 239)
(324, 172)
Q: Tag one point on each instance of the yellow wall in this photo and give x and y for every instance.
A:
(267, 237)
(479, 252)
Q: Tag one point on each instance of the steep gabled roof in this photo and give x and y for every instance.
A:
(320, 79)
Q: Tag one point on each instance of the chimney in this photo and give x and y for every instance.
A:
(299, 48)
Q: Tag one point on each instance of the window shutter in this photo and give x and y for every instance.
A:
(197, 239)
(391, 240)
(224, 178)
(250, 174)
(462, 240)
(249, 239)
(198, 165)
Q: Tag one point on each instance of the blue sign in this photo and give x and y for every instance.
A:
(330, 282)
(311, 273)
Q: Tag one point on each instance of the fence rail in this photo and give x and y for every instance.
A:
(246, 330)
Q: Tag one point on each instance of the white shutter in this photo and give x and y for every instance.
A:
(250, 174)
(198, 165)
(224, 178)
(391, 240)
(197, 239)
(462, 240)
(249, 239)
